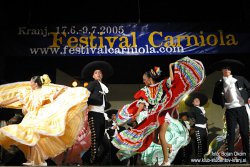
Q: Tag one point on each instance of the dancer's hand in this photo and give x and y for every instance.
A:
(59, 92)
(133, 118)
(63, 88)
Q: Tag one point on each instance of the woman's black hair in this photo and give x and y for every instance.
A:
(37, 79)
(154, 75)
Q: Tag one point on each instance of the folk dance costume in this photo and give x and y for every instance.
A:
(73, 155)
(233, 92)
(97, 104)
(112, 130)
(184, 154)
(159, 99)
(177, 135)
(197, 114)
(49, 126)
(219, 144)
(201, 131)
(112, 127)
(96, 117)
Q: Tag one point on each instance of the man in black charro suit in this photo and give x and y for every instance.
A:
(97, 102)
(233, 92)
(197, 115)
(112, 129)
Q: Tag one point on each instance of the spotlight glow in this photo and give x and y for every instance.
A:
(74, 84)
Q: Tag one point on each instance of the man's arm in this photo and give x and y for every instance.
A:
(91, 86)
(247, 86)
(216, 99)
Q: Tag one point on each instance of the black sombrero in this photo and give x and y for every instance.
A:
(88, 70)
(203, 98)
(232, 64)
(111, 111)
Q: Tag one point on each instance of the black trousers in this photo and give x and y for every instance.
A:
(238, 116)
(200, 143)
(97, 127)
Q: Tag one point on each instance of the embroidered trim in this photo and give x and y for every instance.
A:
(158, 94)
(142, 101)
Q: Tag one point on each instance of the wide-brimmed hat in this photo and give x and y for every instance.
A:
(232, 64)
(203, 98)
(111, 112)
(88, 70)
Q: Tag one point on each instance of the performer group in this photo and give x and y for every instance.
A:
(76, 126)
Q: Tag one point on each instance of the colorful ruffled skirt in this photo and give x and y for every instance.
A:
(177, 135)
(188, 75)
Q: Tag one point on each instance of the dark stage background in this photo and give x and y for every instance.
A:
(127, 69)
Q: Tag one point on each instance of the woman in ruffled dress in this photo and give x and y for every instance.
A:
(53, 117)
(155, 101)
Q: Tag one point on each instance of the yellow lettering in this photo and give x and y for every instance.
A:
(151, 39)
(169, 41)
(101, 40)
(83, 40)
(111, 41)
(209, 41)
(91, 41)
(222, 43)
(56, 39)
(71, 41)
(202, 39)
(188, 37)
(124, 42)
(231, 40)
(134, 39)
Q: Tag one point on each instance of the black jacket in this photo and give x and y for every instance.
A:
(196, 114)
(241, 84)
(96, 98)
(111, 131)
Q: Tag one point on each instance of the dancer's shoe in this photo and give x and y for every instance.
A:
(165, 163)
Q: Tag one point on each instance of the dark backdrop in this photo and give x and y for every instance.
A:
(127, 69)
